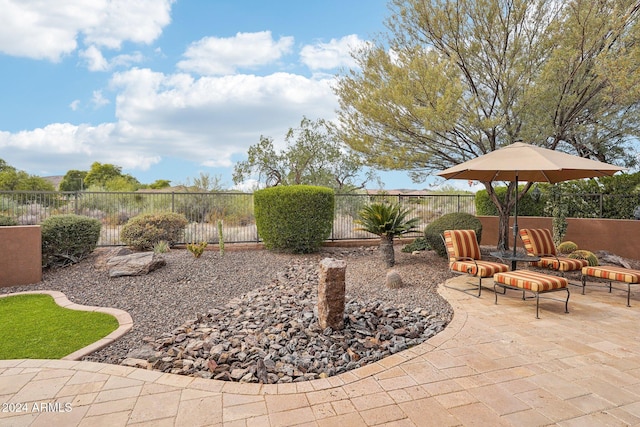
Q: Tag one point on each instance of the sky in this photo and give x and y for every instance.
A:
(170, 89)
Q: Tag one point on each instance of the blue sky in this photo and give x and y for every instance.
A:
(169, 89)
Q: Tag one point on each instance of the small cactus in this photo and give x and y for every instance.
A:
(582, 254)
(567, 247)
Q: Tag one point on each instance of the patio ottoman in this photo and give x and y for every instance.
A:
(612, 273)
(531, 281)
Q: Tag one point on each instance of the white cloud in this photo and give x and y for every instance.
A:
(49, 30)
(336, 53)
(75, 105)
(95, 60)
(98, 100)
(218, 56)
(208, 120)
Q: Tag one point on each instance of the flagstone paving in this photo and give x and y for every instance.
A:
(494, 365)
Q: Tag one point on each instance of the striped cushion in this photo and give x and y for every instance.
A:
(562, 263)
(487, 268)
(461, 244)
(531, 280)
(538, 241)
(614, 273)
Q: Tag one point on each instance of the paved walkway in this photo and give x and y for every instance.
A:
(493, 365)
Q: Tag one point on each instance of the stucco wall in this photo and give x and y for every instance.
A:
(20, 255)
(618, 236)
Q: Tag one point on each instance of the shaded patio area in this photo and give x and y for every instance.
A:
(493, 365)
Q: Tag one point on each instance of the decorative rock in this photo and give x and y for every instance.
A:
(331, 292)
(134, 264)
(394, 281)
(103, 255)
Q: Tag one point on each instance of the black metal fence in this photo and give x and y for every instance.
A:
(204, 210)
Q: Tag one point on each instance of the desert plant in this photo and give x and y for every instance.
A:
(419, 244)
(220, 238)
(66, 239)
(559, 223)
(143, 231)
(583, 254)
(296, 218)
(161, 247)
(196, 248)
(6, 221)
(567, 247)
(452, 221)
(387, 221)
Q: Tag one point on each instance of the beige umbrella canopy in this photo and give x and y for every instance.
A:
(525, 162)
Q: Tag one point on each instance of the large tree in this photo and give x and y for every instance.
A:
(453, 80)
(313, 156)
(12, 179)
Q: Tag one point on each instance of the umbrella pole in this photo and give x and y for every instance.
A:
(515, 220)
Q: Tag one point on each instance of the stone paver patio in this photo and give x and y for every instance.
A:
(493, 365)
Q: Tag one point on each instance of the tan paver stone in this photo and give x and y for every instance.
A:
(189, 394)
(397, 383)
(165, 422)
(118, 393)
(83, 399)
(175, 380)
(508, 373)
(289, 388)
(70, 418)
(633, 408)
(458, 398)
(343, 407)
(156, 406)
(428, 412)
(340, 380)
(321, 384)
(329, 395)
(145, 375)
(441, 387)
(597, 419)
(53, 373)
(460, 372)
(590, 403)
(247, 410)
(518, 386)
(549, 405)
(287, 402)
(213, 386)
(70, 390)
(382, 415)
(443, 359)
(373, 400)
(38, 390)
(153, 388)
(323, 410)
(499, 399)
(424, 373)
(107, 420)
(241, 388)
(229, 399)
(304, 387)
(292, 417)
(11, 384)
(82, 377)
(199, 412)
(363, 387)
(625, 416)
(608, 391)
(110, 407)
(262, 421)
(477, 414)
(352, 419)
(369, 370)
(115, 382)
(528, 418)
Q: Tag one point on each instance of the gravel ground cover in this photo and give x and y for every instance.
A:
(187, 288)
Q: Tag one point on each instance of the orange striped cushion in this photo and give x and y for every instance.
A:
(461, 243)
(531, 280)
(487, 268)
(614, 273)
(538, 241)
(562, 263)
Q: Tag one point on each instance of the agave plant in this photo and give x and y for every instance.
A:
(386, 221)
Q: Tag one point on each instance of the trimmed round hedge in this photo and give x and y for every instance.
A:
(142, 232)
(295, 218)
(66, 239)
(452, 221)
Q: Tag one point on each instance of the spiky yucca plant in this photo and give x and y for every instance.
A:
(387, 221)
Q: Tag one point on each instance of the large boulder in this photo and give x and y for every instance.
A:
(135, 264)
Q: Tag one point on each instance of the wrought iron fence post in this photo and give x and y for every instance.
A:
(173, 200)
(601, 205)
(75, 209)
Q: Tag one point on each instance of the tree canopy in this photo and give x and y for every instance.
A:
(453, 80)
(313, 156)
(12, 179)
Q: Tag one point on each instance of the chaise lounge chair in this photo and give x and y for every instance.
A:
(464, 256)
(538, 242)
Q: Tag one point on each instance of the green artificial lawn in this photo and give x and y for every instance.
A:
(35, 327)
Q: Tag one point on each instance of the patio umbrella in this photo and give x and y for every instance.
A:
(530, 163)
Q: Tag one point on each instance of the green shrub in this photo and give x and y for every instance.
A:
(567, 247)
(296, 218)
(142, 232)
(161, 247)
(527, 206)
(7, 221)
(66, 239)
(582, 254)
(419, 244)
(196, 248)
(452, 221)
